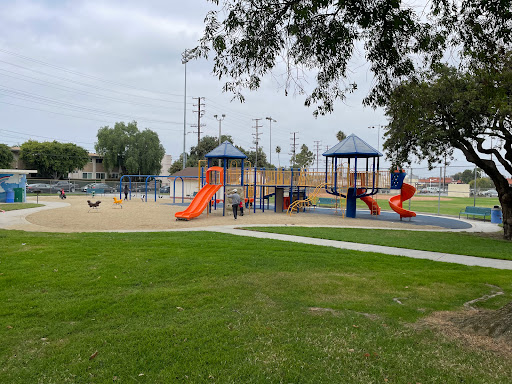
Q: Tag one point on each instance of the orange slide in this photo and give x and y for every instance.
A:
(370, 202)
(395, 202)
(199, 203)
(202, 199)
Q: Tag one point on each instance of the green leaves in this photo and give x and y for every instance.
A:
(53, 159)
(6, 156)
(134, 152)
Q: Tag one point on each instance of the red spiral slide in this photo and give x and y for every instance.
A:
(370, 202)
(395, 202)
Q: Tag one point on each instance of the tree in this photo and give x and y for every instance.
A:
(206, 144)
(6, 156)
(144, 156)
(53, 159)
(132, 151)
(304, 158)
(481, 183)
(249, 39)
(340, 136)
(278, 151)
(465, 176)
(450, 108)
(262, 158)
(113, 143)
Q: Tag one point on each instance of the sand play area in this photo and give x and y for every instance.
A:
(135, 215)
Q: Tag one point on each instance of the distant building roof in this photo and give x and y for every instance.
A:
(352, 146)
(189, 171)
(226, 151)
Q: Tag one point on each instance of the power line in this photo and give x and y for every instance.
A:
(80, 91)
(84, 84)
(34, 98)
(84, 74)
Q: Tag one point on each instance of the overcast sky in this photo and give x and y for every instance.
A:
(68, 68)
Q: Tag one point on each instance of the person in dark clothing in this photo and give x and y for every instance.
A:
(126, 190)
(235, 201)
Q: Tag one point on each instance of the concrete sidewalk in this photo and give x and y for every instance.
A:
(18, 217)
(416, 254)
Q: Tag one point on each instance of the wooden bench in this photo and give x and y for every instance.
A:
(475, 211)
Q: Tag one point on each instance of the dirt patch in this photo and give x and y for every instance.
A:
(480, 329)
(154, 216)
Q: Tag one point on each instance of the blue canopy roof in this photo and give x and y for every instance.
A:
(226, 151)
(352, 146)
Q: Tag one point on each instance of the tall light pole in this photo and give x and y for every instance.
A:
(220, 130)
(185, 57)
(378, 134)
(219, 119)
(270, 120)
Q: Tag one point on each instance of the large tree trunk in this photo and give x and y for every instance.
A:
(505, 197)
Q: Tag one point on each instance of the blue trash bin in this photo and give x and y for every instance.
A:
(9, 196)
(496, 217)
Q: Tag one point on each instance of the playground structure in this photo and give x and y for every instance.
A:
(343, 178)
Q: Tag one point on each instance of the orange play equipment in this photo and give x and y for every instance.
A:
(406, 192)
(370, 202)
(203, 197)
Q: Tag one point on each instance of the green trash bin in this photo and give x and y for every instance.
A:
(18, 195)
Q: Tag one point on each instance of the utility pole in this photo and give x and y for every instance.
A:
(185, 57)
(317, 146)
(256, 138)
(270, 120)
(293, 146)
(200, 113)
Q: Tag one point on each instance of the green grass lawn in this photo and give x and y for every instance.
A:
(203, 307)
(471, 244)
(451, 206)
(16, 206)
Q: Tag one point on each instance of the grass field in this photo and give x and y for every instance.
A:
(471, 244)
(211, 308)
(16, 206)
(449, 205)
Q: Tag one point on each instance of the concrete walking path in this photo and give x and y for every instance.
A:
(18, 217)
(413, 253)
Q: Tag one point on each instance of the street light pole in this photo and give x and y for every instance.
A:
(220, 121)
(185, 57)
(270, 120)
(378, 134)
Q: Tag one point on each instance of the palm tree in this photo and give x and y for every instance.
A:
(340, 136)
(278, 151)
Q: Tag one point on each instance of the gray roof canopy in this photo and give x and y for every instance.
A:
(352, 146)
(226, 151)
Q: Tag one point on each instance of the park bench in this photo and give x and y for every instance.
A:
(325, 201)
(475, 211)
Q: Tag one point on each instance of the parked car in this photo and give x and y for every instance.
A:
(44, 188)
(165, 189)
(105, 188)
(65, 185)
(491, 193)
(430, 190)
